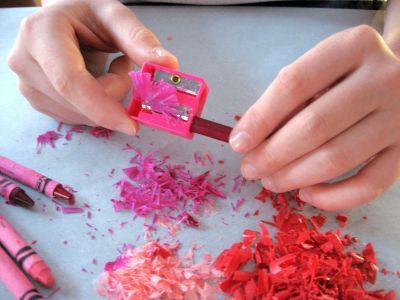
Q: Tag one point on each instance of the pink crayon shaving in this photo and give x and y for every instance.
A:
(47, 138)
(153, 271)
(157, 96)
(155, 188)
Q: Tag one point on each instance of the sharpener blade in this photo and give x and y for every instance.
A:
(182, 84)
(182, 112)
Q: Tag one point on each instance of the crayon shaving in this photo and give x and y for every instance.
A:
(47, 138)
(100, 132)
(238, 183)
(235, 206)
(153, 271)
(157, 96)
(203, 158)
(342, 219)
(67, 209)
(301, 262)
(111, 174)
(165, 192)
(74, 129)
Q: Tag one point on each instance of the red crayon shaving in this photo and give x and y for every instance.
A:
(100, 132)
(153, 271)
(47, 138)
(300, 263)
(237, 117)
(342, 219)
(162, 191)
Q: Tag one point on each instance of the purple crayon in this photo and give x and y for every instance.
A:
(14, 194)
(35, 180)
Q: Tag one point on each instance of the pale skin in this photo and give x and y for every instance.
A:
(335, 108)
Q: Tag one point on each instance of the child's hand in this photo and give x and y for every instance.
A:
(60, 52)
(353, 81)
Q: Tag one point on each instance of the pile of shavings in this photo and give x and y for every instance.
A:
(153, 271)
(301, 262)
(157, 96)
(167, 192)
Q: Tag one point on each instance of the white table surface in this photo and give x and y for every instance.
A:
(238, 50)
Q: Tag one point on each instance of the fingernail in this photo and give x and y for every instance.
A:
(249, 171)
(238, 141)
(161, 52)
(126, 128)
(304, 196)
(269, 183)
(165, 56)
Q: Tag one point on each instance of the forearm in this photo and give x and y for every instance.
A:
(391, 31)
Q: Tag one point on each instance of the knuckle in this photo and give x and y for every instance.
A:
(112, 11)
(290, 81)
(139, 33)
(256, 116)
(62, 83)
(268, 159)
(363, 36)
(336, 162)
(34, 25)
(30, 24)
(312, 123)
(13, 62)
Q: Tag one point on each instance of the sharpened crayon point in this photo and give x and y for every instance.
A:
(42, 274)
(46, 279)
(19, 197)
(62, 194)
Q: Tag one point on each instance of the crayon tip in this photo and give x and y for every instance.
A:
(45, 278)
(62, 194)
(19, 197)
(42, 274)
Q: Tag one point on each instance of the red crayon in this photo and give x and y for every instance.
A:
(15, 281)
(24, 255)
(34, 180)
(14, 194)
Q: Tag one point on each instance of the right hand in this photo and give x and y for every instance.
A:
(61, 50)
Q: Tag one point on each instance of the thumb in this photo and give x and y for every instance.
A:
(131, 37)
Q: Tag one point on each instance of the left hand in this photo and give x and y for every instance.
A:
(353, 119)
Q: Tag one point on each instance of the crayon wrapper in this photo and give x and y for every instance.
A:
(18, 248)
(6, 187)
(27, 176)
(13, 278)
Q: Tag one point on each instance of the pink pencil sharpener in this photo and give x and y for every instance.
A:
(167, 99)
